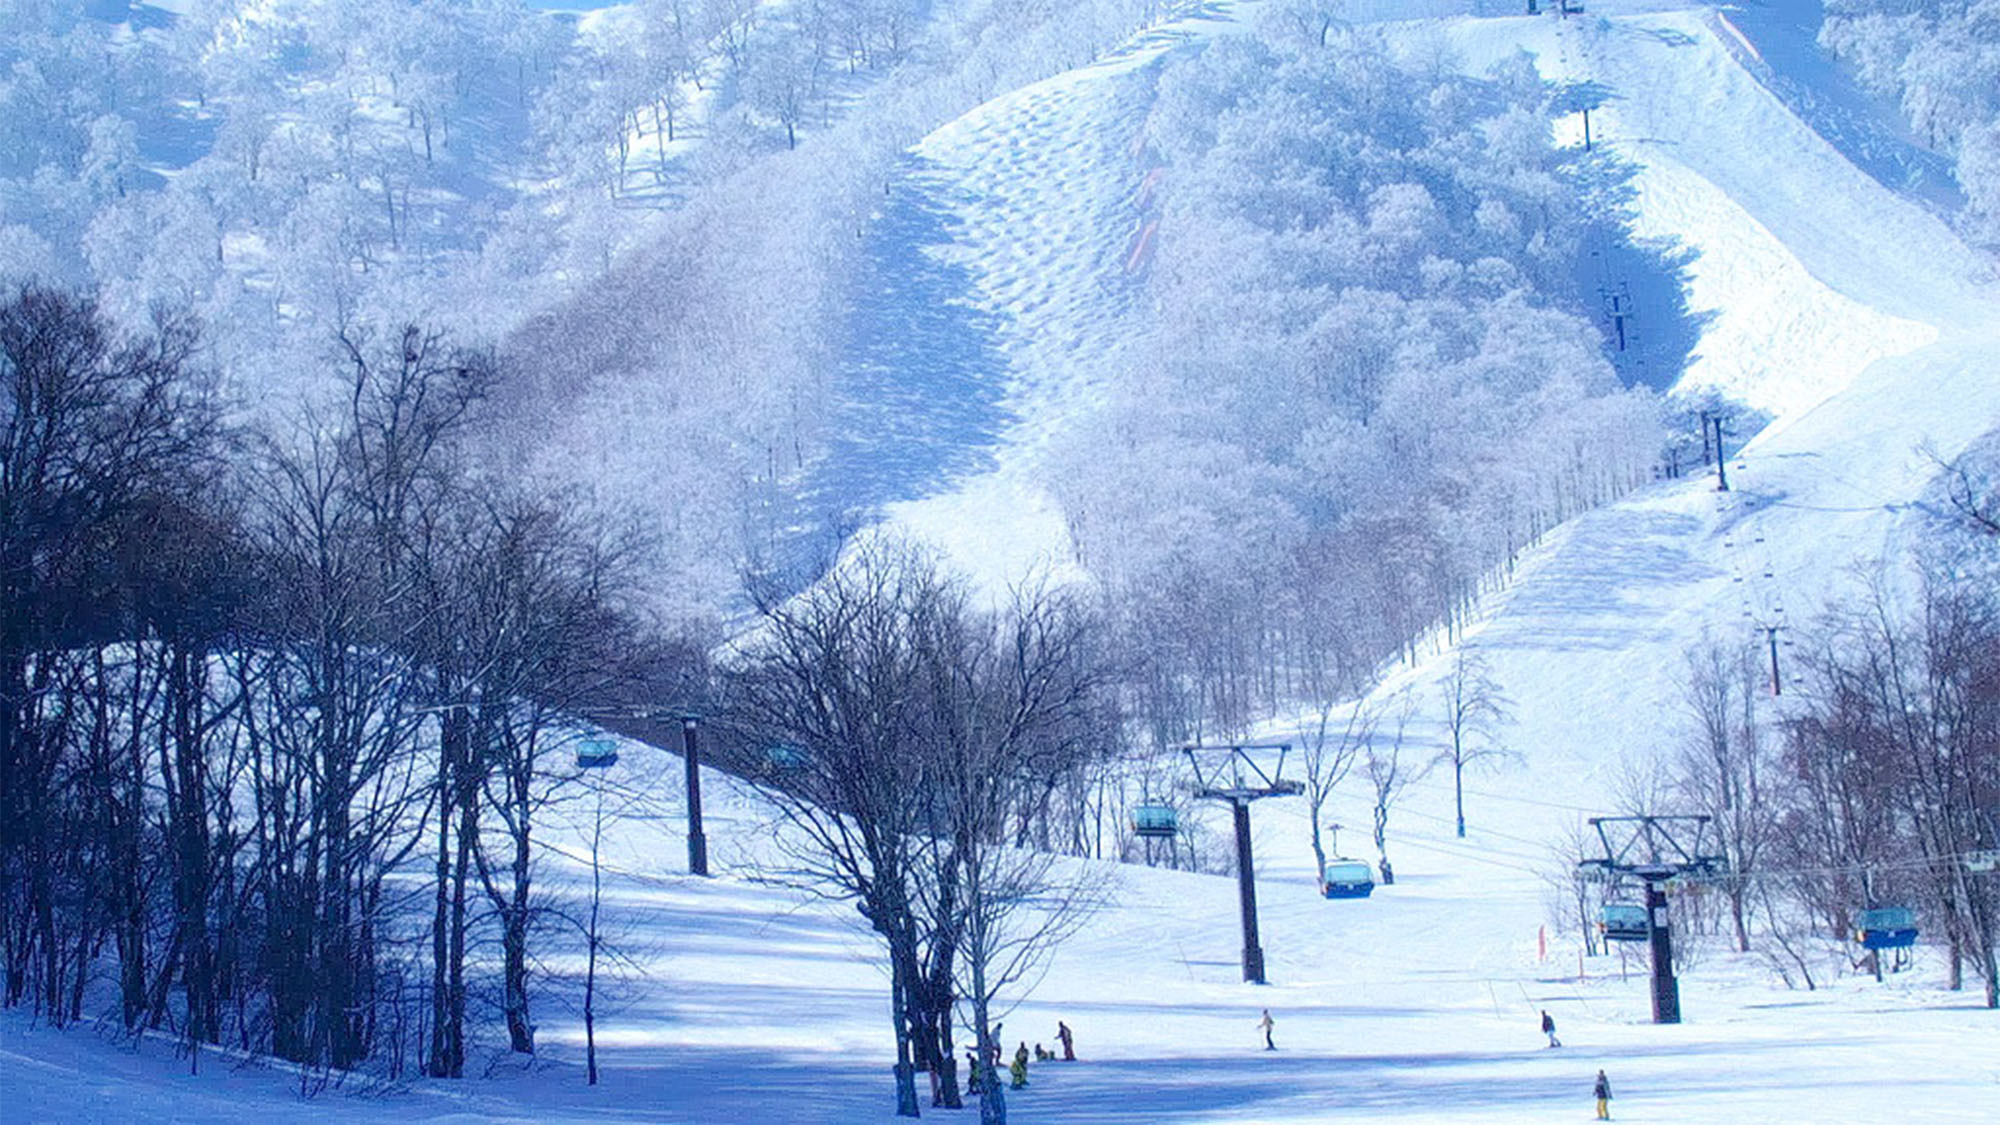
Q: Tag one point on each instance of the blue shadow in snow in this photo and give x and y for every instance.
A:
(1634, 290)
(918, 388)
(171, 134)
(1824, 93)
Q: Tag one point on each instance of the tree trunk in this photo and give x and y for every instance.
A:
(514, 951)
(1458, 788)
(468, 834)
(590, 968)
(446, 1055)
(899, 986)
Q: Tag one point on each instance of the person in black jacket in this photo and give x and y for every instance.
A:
(1603, 1092)
(1549, 1028)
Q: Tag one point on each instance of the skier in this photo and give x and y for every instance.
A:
(1549, 1028)
(1603, 1093)
(1265, 1025)
(1019, 1071)
(1068, 1041)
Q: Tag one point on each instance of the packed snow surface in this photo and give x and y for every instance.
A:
(1848, 312)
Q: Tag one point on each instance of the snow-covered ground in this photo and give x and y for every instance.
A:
(1420, 1004)
(1849, 312)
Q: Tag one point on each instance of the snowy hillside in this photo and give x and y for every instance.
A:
(1847, 311)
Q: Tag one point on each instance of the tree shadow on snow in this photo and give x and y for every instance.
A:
(917, 393)
(1634, 290)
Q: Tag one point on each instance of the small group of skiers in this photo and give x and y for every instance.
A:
(1017, 1070)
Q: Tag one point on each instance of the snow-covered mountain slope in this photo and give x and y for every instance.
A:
(1033, 206)
(1807, 270)
(1849, 312)
(1846, 310)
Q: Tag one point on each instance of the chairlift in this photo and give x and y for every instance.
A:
(1348, 878)
(1887, 927)
(1624, 921)
(785, 757)
(596, 754)
(1155, 822)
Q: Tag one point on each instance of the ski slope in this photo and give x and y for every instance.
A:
(1848, 312)
(1041, 191)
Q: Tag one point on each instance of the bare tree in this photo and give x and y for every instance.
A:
(921, 739)
(1016, 698)
(1571, 894)
(1972, 491)
(1726, 769)
(827, 687)
(1389, 774)
(95, 428)
(1474, 709)
(542, 632)
(1328, 752)
(1892, 756)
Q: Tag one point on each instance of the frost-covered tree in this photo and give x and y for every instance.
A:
(1941, 60)
(1364, 360)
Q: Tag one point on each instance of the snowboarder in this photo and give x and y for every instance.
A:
(1019, 1071)
(1549, 1028)
(1068, 1041)
(1603, 1093)
(1265, 1026)
(1042, 1055)
(972, 1071)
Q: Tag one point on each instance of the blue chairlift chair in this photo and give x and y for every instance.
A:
(1347, 878)
(1887, 927)
(1155, 822)
(1623, 921)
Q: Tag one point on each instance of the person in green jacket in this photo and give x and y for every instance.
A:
(1019, 1071)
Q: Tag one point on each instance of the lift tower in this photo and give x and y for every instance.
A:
(1656, 850)
(1237, 778)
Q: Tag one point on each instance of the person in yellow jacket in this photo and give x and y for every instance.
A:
(1019, 1070)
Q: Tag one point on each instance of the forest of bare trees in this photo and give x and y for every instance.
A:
(278, 709)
